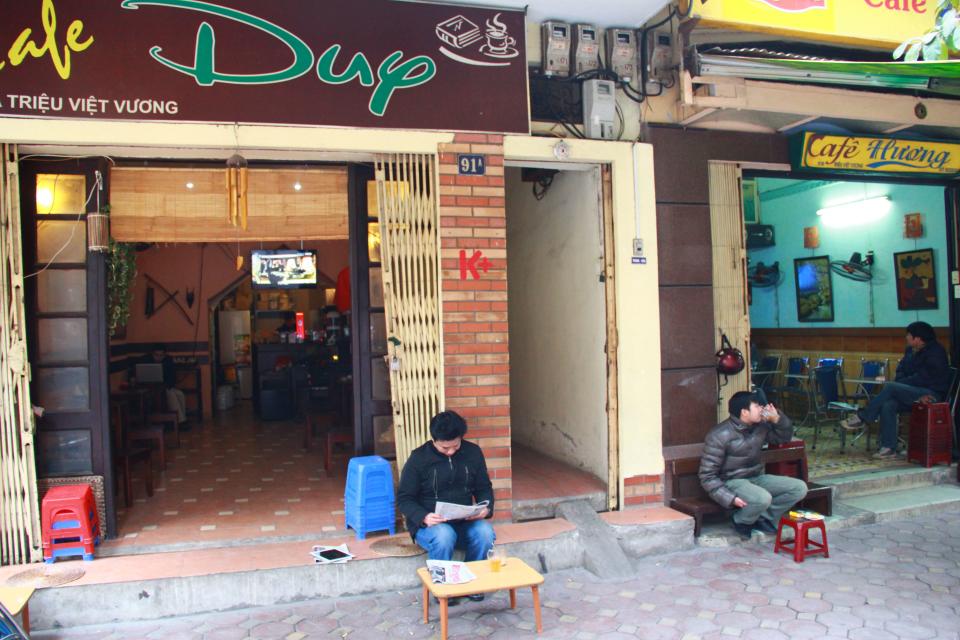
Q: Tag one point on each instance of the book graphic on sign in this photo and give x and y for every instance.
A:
(495, 42)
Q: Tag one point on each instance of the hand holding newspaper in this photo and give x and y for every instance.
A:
(451, 511)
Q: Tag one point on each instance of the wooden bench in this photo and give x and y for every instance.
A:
(688, 496)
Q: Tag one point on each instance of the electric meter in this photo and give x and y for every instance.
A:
(555, 48)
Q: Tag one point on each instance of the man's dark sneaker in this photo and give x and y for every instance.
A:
(451, 602)
(477, 597)
(743, 530)
(764, 526)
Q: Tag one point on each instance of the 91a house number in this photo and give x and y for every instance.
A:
(471, 164)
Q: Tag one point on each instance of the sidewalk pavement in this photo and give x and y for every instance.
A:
(898, 579)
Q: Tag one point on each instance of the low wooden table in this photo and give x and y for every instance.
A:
(514, 574)
(17, 601)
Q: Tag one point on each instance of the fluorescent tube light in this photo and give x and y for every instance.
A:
(851, 214)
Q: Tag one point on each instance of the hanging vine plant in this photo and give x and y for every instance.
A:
(121, 271)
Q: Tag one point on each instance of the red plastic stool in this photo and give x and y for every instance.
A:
(69, 522)
(802, 546)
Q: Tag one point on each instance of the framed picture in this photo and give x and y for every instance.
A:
(814, 291)
(916, 279)
(751, 202)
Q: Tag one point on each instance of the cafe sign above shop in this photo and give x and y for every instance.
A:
(878, 23)
(363, 63)
(850, 154)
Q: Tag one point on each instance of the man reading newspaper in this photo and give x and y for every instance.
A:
(453, 470)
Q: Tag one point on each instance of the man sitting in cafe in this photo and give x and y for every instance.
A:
(447, 469)
(732, 472)
(923, 371)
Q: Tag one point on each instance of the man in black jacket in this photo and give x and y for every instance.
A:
(732, 472)
(923, 371)
(447, 469)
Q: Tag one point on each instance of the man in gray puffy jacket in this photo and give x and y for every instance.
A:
(732, 472)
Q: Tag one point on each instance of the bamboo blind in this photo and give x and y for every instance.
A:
(153, 204)
(19, 507)
(407, 210)
(731, 313)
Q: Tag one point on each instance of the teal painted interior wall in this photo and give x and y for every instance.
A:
(790, 213)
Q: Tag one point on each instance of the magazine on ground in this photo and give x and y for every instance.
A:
(449, 572)
(323, 554)
(451, 511)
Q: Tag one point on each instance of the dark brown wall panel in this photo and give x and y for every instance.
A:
(682, 233)
(686, 327)
(689, 407)
(680, 158)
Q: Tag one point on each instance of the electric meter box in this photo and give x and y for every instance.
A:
(599, 108)
(659, 56)
(622, 52)
(555, 48)
(585, 51)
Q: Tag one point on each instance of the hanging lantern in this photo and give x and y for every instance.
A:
(98, 231)
(237, 191)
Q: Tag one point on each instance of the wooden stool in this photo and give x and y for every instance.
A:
(313, 423)
(342, 436)
(802, 546)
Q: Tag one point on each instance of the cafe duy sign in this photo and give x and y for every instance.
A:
(362, 63)
(865, 155)
(878, 23)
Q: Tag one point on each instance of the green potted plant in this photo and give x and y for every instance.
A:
(121, 271)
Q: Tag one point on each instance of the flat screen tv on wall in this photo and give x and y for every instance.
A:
(284, 269)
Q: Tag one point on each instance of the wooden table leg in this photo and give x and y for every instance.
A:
(426, 605)
(443, 619)
(25, 617)
(536, 608)
(513, 598)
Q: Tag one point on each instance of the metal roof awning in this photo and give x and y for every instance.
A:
(938, 77)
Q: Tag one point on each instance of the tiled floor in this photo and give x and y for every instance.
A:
(236, 479)
(829, 460)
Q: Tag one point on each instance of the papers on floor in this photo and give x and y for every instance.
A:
(451, 511)
(449, 572)
(323, 554)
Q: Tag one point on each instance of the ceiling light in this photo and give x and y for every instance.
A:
(189, 185)
(855, 213)
(297, 186)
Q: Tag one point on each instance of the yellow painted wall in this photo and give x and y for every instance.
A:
(638, 301)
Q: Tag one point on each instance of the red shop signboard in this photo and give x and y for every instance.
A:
(362, 63)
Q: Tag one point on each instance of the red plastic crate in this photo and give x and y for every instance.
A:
(931, 434)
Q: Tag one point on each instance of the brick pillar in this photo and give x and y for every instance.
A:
(642, 490)
(476, 356)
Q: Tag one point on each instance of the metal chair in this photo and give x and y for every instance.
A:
(767, 369)
(796, 366)
(827, 380)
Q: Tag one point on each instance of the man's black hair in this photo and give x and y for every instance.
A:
(922, 330)
(741, 400)
(447, 425)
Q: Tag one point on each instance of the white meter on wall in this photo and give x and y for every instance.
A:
(599, 108)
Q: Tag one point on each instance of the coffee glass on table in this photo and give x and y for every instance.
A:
(495, 556)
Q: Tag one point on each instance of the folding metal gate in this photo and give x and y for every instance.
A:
(407, 204)
(19, 508)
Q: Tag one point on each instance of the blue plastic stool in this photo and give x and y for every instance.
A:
(369, 503)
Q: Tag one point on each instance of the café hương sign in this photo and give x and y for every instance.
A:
(879, 23)
(363, 63)
(850, 154)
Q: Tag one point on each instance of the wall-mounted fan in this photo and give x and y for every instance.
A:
(763, 275)
(856, 268)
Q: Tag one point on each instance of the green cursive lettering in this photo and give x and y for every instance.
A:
(358, 67)
(400, 76)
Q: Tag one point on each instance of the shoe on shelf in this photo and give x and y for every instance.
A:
(743, 530)
(477, 597)
(853, 423)
(764, 526)
(885, 453)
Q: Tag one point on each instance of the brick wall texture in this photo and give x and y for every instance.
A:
(642, 490)
(476, 355)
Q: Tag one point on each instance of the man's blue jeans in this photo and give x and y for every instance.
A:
(893, 398)
(473, 536)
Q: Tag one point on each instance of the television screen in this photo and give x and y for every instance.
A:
(284, 269)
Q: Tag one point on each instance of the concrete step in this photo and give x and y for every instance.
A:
(888, 480)
(541, 508)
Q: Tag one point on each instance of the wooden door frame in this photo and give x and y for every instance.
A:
(613, 338)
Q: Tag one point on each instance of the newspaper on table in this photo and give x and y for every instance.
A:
(323, 554)
(452, 511)
(449, 572)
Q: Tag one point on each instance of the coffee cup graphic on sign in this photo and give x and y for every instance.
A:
(499, 43)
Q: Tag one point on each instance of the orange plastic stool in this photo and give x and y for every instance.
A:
(802, 546)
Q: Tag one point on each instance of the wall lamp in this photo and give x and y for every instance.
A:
(851, 214)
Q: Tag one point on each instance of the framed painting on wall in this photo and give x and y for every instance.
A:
(751, 201)
(916, 279)
(814, 290)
